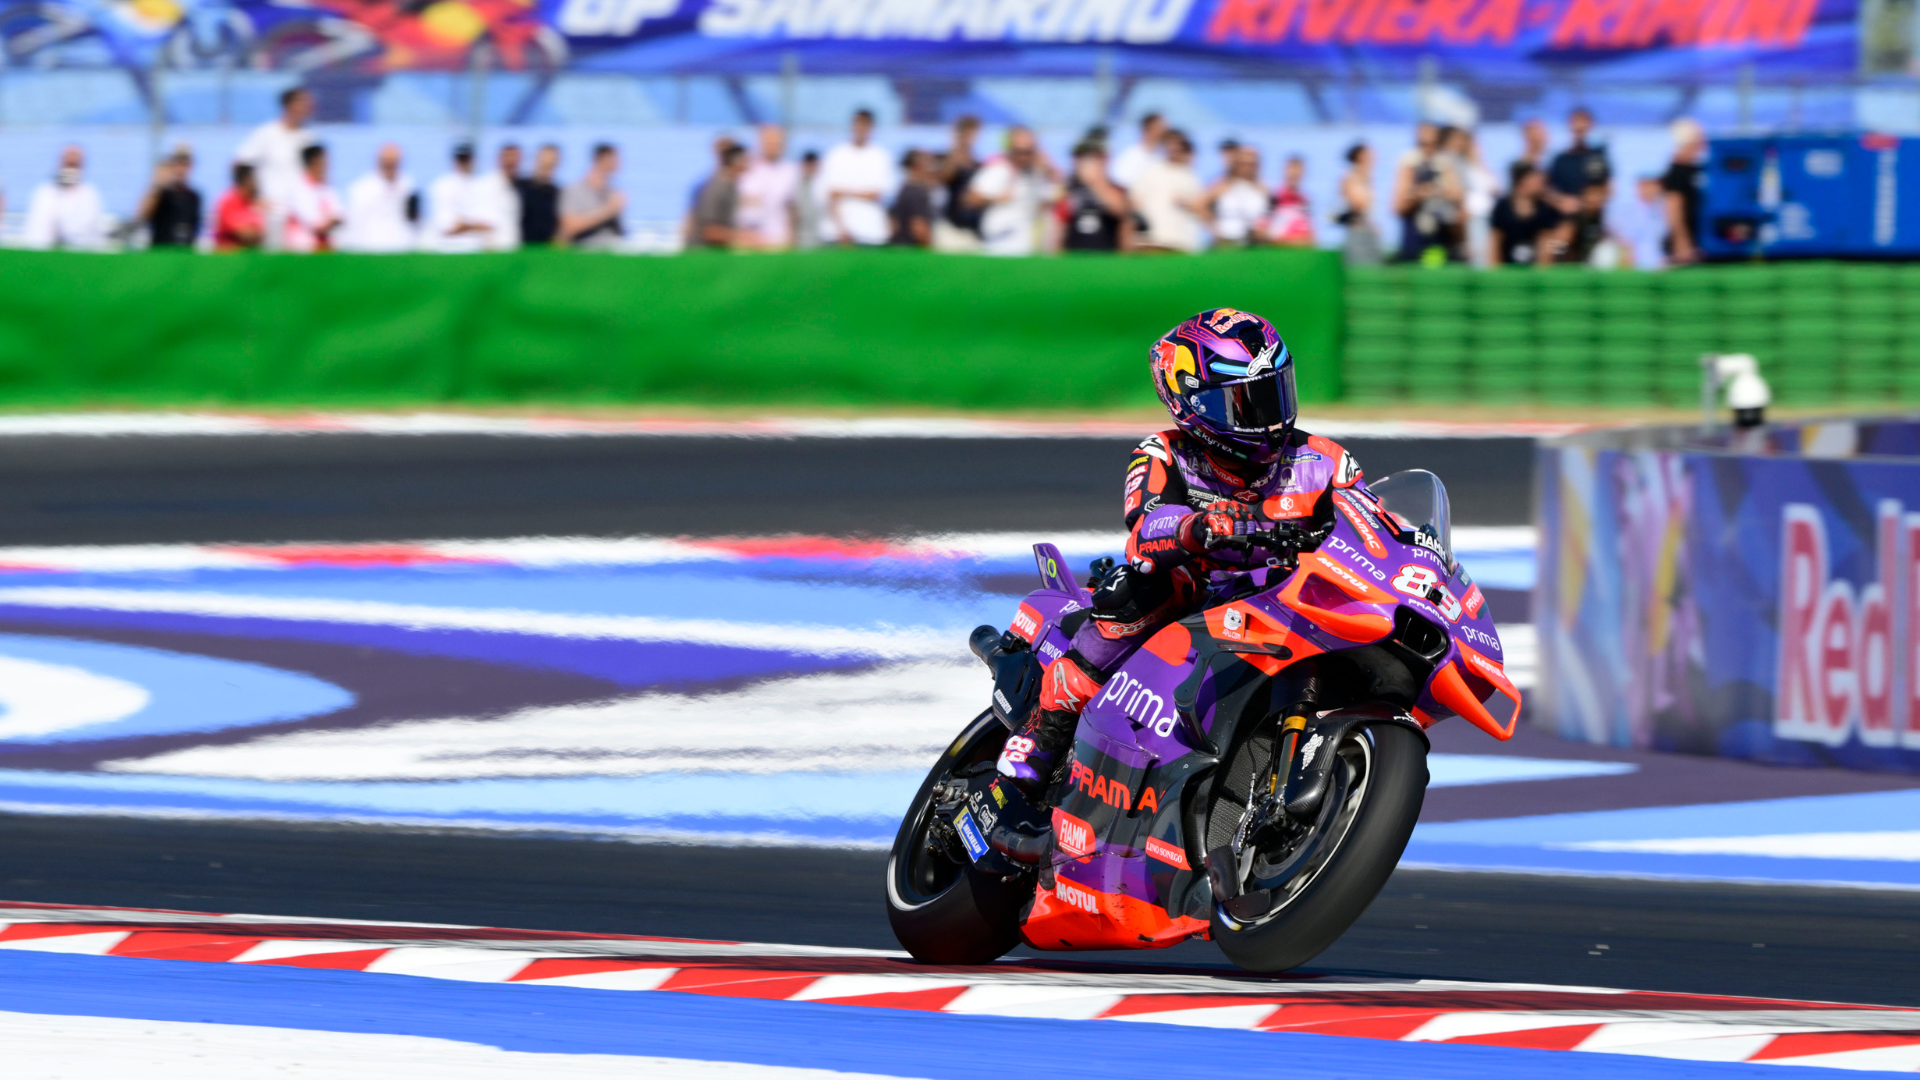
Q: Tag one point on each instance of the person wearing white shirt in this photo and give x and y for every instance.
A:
(66, 212)
(502, 189)
(465, 209)
(1240, 204)
(382, 207)
(857, 176)
(1171, 198)
(313, 210)
(273, 149)
(1133, 161)
(767, 191)
(1014, 192)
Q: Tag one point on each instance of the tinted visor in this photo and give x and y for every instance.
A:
(1253, 407)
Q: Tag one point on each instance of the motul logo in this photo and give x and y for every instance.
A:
(1074, 896)
(1845, 651)
(1071, 835)
(1026, 622)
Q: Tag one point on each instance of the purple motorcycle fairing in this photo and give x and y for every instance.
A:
(1138, 752)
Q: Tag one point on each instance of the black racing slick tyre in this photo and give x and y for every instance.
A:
(1304, 897)
(943, 910)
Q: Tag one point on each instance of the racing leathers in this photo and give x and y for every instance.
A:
(1183, 510)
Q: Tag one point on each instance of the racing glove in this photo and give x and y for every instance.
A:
(1220, 524)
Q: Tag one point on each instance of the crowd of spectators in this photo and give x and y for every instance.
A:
(283, 198)
(1149, 197)
(1546, 207)
(1546, 210)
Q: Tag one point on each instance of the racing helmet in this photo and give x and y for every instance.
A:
(1227, 378)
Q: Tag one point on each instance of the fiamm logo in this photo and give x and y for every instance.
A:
(1848, 653)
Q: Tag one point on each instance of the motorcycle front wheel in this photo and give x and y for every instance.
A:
(1302, 890)
(943, 910)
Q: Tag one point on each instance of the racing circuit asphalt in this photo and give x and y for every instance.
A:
(1834, 944)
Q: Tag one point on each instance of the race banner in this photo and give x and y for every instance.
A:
(1763, 607)
(1485, 40)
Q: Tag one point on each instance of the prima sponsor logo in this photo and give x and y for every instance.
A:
(1167, 853)
(1112, 792)
(1071, 835)
(1141, 704)
(1480, 639)
(1074, 896)
(1846, 664)
(1334, 543)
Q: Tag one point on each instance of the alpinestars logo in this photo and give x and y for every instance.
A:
(1264, 362)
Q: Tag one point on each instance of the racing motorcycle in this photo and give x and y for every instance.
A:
(1251, 774)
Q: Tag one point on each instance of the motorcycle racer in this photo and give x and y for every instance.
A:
(1233, 465)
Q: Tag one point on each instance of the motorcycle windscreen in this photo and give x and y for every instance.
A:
(1417, 497)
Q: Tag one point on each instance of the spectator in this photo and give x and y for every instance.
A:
(716, 210)
(808, 209)
(1589, 241)
(857, 175)
(1013, 192)
(1292, 221)
(540, 198)
(958, 227)
(767, 192)
(66, 212)
(462, 210)
(1170, 197)
(273, 149)
(1426, 197)
(503, 196)
(313, 211)
(913, 209)
(1533, 145)
(1133, 161)
(383, 207)
(590, 210)
(1526, 227)
(1643, 228)
(1097, 214)
(1239, 204)
(170, 209)
(1682, 183)
(1362, 246)
(1480, 189)
(239, 219)
(1579, 166)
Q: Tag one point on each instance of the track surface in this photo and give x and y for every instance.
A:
(89, 490)
(1845, 945)
(1823, 944)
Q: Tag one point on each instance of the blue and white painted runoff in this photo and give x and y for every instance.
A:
(763, 691)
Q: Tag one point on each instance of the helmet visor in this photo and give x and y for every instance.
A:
(1253, 407)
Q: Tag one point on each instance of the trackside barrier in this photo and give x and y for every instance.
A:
(1758, 600)
(891, 329)
(1828, 332)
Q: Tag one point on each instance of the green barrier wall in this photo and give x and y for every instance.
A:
(1824, 333)
(854, 328)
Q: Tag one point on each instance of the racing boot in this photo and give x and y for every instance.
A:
(1029, 754)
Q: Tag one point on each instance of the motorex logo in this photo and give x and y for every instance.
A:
(1848, 650)
(1141, 705)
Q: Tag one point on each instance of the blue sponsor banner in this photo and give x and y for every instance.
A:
(1765, 607)
(1518, 40)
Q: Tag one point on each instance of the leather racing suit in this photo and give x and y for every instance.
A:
(1175, 495)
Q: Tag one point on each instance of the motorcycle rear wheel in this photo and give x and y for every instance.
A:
(942, 911)
(1318, 886)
